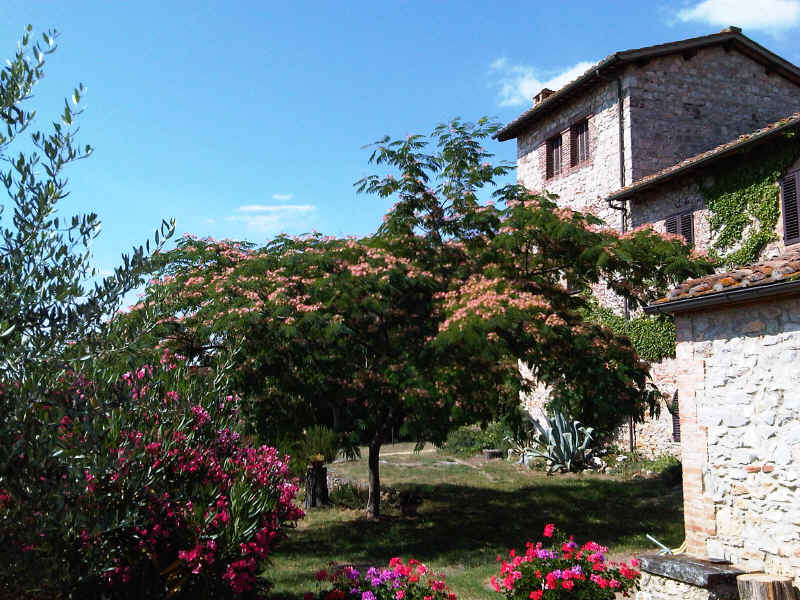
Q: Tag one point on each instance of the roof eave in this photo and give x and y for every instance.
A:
(600, 70)
(733, 296)
(744, 145)
(620, 59)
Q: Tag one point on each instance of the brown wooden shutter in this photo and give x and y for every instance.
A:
(553, 149)
(579, 143)
(676, 418)
(791, 223)
(573, 146)
(583, 141)
(672, 224)
(682, 224)
(687, 228)
(557, 155)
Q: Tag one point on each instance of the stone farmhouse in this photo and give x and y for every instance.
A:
(665, 136)
(641, 138)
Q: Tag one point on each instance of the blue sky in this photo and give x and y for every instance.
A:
(199, 110)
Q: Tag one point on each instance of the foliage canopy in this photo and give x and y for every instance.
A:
(420, 327)
(117, 479)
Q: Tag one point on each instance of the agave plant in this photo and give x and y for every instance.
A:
(563, 443)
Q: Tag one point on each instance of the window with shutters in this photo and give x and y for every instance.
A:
(553, 156)
(682, 224)
(579, 143)
(791, 209)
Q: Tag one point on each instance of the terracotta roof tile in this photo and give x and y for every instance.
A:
(704, 157)
(782, 268)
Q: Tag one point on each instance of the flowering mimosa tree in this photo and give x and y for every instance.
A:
(420, 327)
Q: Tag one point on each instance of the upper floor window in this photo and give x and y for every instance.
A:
(682, 224)
(553, 149)
(791, 209)
(579, 143)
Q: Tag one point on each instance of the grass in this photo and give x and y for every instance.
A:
(473, 510)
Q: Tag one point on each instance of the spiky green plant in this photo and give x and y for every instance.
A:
(563, 443)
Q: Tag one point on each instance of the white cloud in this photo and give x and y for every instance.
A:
(282, 197)
(208, 221)
(273, 208)
(269, 218)
(772, 16)
(518, 84)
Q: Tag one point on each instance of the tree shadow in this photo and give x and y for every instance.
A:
(469, 525)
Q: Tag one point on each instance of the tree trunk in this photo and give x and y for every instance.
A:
(316, 485)
(760, 586)
(374, 501)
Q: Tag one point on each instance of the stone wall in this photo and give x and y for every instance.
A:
(586, 186)
(684, 194)
(655, 205)
(681, 107)
(653, 437)
(739, 395)
(673, 108)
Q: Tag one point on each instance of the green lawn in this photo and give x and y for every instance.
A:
(473, 510)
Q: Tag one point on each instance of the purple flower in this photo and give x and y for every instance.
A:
(368, 596)
(352, 573)
(375, 581)
(372, 572)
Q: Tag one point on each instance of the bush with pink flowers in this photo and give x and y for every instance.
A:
(148, 490)
(398, 581)
(564, 571)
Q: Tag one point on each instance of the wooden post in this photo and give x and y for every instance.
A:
(316, 484)
(761, 586)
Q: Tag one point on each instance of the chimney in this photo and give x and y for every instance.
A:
(541, 96)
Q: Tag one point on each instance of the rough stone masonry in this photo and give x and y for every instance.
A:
(739, 385)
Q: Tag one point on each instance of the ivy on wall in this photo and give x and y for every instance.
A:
(653, 337)
(744, 204)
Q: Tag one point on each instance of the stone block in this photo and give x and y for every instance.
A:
(783, 455)
(689, 569)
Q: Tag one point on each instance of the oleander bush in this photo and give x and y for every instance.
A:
(121, 475)
(145, 488)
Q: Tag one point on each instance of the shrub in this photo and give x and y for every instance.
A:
(400, 581)
(317, 441)
(153, 493)
(138, 486)
(565, 571)
(349, 495)
(470, 440)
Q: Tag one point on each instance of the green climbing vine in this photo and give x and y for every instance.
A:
(653, 337)
(744, 204)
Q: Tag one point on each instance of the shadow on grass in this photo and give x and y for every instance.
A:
(463, 526)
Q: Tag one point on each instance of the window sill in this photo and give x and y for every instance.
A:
(569, 170)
